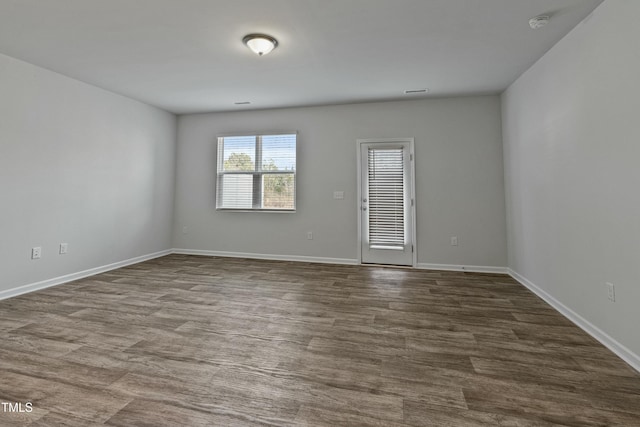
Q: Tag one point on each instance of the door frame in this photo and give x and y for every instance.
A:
(412, 191)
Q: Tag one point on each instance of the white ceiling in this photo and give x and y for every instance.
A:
(187, 56)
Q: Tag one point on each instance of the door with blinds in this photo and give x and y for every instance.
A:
(386, 202)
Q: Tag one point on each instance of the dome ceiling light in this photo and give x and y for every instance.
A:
(260, 44)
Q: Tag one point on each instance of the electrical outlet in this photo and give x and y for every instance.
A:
(611, 292)
(36, 253)
(454, 241)
(309, 235)
(185, 229)
(338, 195)
(64, 247)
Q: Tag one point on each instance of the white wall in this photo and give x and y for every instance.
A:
(79, 165)
(459, 180)
(572, 169)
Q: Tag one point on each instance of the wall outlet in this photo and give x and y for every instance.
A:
(611, 292)
(36, 253)
(338, 195)
(309, 235)
(64, 247)
(185, 229)
(454, 241)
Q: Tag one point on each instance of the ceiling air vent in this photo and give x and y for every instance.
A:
(415, 91)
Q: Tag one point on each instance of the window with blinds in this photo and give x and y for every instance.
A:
(386, 198)
(257, 172)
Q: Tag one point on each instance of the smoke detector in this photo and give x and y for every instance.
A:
(539, 21)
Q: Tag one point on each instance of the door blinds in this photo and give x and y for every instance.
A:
(386, 198)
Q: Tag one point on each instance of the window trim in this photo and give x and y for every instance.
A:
(256, 174)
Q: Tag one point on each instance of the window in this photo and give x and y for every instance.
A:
(257, 172)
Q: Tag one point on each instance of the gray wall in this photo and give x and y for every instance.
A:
(79, 165)
(459, 180)
(572, 168)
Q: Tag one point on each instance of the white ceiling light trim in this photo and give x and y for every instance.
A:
(260, 44)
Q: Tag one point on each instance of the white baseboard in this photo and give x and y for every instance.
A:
(79, 275)
(467, 268)
(344, 261)
(620, 350)
(298, 258)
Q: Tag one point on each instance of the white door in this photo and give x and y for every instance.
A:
(386, 202)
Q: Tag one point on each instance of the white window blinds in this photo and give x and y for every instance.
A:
(256, 172)
(386, 198)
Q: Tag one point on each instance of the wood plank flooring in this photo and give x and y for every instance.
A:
(199, 341)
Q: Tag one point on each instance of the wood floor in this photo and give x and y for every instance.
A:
(198, 341)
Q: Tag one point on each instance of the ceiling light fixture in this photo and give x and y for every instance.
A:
(539, 21)
(261, 44)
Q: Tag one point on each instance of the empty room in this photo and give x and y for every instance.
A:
(319, 213)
